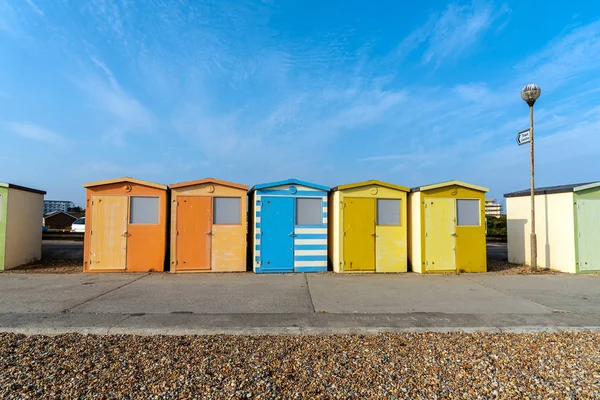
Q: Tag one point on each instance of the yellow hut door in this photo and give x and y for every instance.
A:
(108, 238)
(440, 235)
(359, 234)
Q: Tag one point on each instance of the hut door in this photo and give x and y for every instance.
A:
(440, 235)
(108, 236)
(194, 232)
(277, 229)
(588, 235)
(359, 234)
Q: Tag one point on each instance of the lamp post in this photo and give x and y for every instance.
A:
(530, 94)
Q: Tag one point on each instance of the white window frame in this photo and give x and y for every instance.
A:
(478, 212)
(320, 212)
(227, 197)
(377, 212)
(138, 223)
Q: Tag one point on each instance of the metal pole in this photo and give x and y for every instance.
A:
(533, 237)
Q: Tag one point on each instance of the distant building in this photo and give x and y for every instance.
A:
(493, 209)
(57, 205)
(61, 219)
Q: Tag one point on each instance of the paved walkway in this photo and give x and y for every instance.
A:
(302, 303)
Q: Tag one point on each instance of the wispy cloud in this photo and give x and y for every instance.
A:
(7, 18)
(453, 32)
(565, 58)
(35, 132)
(128, 114)
(34, 7)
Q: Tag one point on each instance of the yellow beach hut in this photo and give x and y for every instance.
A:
(447, 228)
(369, 229)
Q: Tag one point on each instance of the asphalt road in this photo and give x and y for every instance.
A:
(497, 251)
(62, 250)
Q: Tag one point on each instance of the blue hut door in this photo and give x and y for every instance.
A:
(277, 241)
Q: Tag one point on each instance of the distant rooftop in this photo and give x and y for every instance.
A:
(552, 189)
(27, 189)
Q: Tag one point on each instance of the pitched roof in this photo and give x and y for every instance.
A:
(53, 213)
(574, 187)
(18, 187)
(291, 181)
(369, 183)
(449, 183)
(125, 179)
(208, 180)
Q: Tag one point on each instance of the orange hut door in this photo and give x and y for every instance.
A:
(108, 237)
(194, 232)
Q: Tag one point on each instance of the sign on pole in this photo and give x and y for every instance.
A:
(524, 137)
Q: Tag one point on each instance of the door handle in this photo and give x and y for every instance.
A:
(209, 233)
(374, 235)
(292, 235)
(453, 234)
(125, 234)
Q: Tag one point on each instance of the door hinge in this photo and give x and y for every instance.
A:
(177, 233)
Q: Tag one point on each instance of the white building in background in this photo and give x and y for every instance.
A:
(57, 205)
(492, 209)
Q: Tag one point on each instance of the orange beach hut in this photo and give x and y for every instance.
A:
(125, 226)
(208, 226)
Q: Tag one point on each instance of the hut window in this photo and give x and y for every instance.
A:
(388, 212)
(226, 210)
(309, 212)
(143, 210)
(467, 212)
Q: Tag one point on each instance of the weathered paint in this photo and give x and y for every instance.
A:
(359, 234)
(440, 235)
(193, 238)
(372, 247)
(309, 241)
(23, 240)
(228, 243)
(587, 233)
(146, 243)
(3, 214)
(414, 232)
(108, 245)
(555, 231)
(470, 246)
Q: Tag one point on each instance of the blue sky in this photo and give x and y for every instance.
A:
(331, 92)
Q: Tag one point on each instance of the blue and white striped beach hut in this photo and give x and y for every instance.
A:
(288, 227)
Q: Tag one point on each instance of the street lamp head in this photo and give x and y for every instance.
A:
(530, 93)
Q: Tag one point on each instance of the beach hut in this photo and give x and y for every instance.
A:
(289, 227)
(367, 229)
(567, 221)
(21, 216)
(208, 226)
(125, 226)
(447, 228)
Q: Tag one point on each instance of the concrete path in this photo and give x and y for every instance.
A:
(302, 303)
